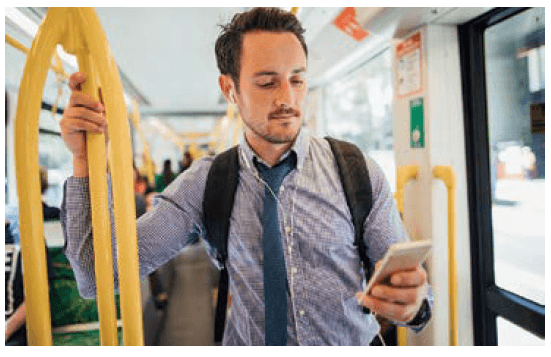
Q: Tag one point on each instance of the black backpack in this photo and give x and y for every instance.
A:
(218, 204)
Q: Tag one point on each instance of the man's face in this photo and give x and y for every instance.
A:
(272, 86)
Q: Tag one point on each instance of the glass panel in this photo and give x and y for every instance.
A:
(49, 121)
(54, 155)
(359, 109)
(515, 75)
(509, 334)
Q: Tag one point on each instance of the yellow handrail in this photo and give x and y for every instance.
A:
(150, 171)
(224, 124)
(403, 175)
(237, 129)
(447, 174)
(95, 147)
(68, 26)
(57, 66)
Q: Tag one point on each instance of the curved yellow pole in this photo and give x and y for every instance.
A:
(150, 171)
(403, 175)
(97, 167)
(28, 183)
(56, 28)
(447, 174)
(121, 171)
(57, 66)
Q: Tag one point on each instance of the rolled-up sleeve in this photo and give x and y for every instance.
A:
(162, 232)
(77, 230)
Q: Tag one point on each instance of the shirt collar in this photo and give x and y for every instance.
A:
(300, 147)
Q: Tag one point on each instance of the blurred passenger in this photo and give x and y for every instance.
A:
(15, 305)
(163, 180)
(140, 182)
(149, 195)
(186, 161)
(50, 213)
(140, 199)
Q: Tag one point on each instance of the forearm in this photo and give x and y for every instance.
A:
(17, 320)
(162, 233)
(80, 166)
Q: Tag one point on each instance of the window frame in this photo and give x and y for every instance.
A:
(489, 300)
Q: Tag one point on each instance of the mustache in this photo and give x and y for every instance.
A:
(285, 111)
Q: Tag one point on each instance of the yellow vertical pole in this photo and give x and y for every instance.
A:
(237, 129)
(52, 31)
(57, 66)
(214, 144)
(31, 223)
(121, 172)
(150, 171)
(446, 174)
(403, 175)
(95, 146)
(225, 122)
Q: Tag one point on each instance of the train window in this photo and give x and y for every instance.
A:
(358, 108)
(54, 156)
(514, 86)
(49, 121)
(509, 334)
(505, 140)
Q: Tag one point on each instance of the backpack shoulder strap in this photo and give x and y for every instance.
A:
(218, 201)
(354, 176)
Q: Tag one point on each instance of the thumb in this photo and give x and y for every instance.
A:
(76, 80)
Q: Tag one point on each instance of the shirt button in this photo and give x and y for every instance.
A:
(294, 270)
(287, 230)
(282, 188)
(301, 312)
(290, 249)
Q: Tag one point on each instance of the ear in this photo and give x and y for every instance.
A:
(227, 87)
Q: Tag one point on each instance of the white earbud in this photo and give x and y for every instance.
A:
(232, 98)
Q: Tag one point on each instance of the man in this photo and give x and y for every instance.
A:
(261, 55)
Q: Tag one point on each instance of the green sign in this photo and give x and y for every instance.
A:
(417, 131)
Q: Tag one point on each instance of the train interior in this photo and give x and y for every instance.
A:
(438, 88)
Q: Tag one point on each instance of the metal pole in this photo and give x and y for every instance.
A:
(447, 174)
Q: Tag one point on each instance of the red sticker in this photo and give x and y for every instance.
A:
(346, 22)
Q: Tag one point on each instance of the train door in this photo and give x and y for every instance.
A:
(503, 70)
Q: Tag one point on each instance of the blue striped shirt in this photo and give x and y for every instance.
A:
(322, 263)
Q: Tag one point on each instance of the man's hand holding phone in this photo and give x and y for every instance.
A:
(399, 284)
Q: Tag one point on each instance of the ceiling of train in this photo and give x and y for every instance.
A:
(166, 55)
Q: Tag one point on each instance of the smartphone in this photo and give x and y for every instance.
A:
(400, 256)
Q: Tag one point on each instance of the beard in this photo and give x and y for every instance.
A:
(284, 137)
(286, 133)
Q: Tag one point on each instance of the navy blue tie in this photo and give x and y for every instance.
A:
(275, 276)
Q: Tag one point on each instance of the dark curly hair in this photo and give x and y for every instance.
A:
(229, 43)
